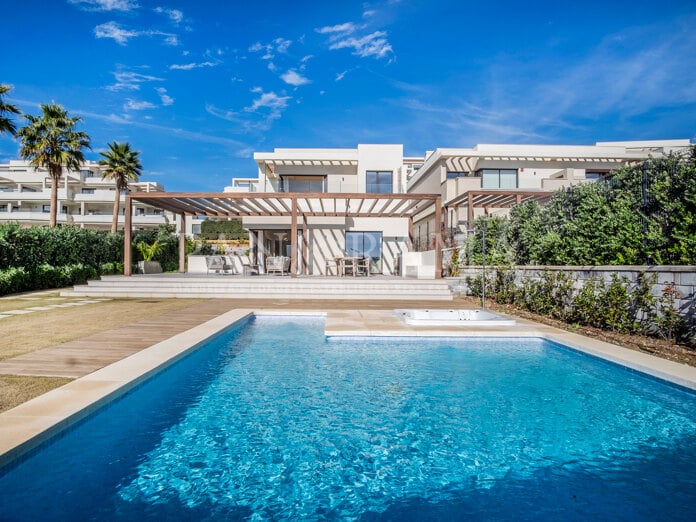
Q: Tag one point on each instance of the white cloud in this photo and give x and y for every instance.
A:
(166, 99)
(257, 117)
(343, 29)
(374, 44)
(292, 77)
(278, 45)
(340, 76)
(130, 81)
(132, 105)
(105, 5)
(115, 31)
(268, 100)
(121, 35)
(346, 36)
(174, 15)
(193, 65)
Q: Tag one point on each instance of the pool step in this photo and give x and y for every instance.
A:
(263, 287)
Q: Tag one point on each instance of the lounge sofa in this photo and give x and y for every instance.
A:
(275, 264)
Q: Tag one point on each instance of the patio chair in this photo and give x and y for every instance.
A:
(363, 266)
(278, 264)
(217, 264)
(247, 267)
(332, 264)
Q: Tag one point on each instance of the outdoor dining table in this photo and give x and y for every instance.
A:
(350, 264)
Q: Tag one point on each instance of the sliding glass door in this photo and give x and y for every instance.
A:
(366, 244)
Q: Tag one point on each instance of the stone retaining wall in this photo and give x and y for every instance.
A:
(683, 277)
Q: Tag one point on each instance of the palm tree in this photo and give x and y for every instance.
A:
(6, 124)
(51, 141)
(122, 166)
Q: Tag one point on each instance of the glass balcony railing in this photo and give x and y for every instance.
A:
(302, 186)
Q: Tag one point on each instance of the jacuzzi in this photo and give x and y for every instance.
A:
(453, 318)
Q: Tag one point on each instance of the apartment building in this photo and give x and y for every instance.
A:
(84, 198)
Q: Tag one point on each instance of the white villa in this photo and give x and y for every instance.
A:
(84, 198)
(374, 203)
(313, 206)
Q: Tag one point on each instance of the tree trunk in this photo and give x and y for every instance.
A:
(55, 179)
(114, 221)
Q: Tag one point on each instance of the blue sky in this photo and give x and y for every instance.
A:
(199, 86)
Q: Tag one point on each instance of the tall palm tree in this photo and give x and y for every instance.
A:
(51, 141)
(122, 166)
(6, 124)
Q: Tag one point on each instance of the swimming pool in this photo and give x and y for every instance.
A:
(273, 421)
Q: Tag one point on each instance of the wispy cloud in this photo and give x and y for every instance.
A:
(350, 36)
(164, 97)
(175, 15)
(294, 78)
(278, 45)
(130, 80)
(341, 75)
(192, 65)
(121, 35)
(173, 131)
(257, 117)
(105, 5)
(114, 31)
(132, 105)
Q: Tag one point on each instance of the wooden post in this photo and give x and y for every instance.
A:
(470, 211)
(410, 234)
(293, 239)
(182, 245)
(438, 238)
(305, 245)
(127, 237)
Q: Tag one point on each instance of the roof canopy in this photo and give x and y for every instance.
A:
(230, 204)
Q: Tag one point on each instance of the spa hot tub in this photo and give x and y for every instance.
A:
(424, 317)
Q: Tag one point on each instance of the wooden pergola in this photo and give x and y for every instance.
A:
(495, 198)
(297, 206)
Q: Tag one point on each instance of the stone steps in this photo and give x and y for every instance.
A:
(263, 287)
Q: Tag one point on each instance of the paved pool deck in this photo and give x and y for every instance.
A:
(26, 426)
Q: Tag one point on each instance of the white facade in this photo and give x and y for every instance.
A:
(84, 198)
(453, 173)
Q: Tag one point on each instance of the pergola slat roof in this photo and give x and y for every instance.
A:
(231, 204)
(282, 204)
(496, 198)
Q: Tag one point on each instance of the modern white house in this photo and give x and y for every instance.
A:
(84, 198)
(395, 211)
(489, 179)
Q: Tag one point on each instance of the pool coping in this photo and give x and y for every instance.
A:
(26, 426)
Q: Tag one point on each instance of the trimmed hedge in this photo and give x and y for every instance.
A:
(13, 280)
(58, 246)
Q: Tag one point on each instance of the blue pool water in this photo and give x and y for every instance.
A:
(271, 421)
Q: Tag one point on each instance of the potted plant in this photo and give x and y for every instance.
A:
(147, 251)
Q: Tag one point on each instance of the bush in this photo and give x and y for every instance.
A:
(14, 280)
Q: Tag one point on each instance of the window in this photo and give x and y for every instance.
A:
(46, 209)
(87, 191)
(366, 244)
(303, 183)
(455, 175)
(378, 182)
(595, 174)
(87, 173)
(498, 178)
(139, 211)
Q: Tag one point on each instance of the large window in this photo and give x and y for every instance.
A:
(366, 244)
(303, 184)
(498, 178)
(379, 182)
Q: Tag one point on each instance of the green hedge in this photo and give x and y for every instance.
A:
(58, 246)
(14, 280)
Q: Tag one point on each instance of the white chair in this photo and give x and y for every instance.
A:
(332, 264)
(249, 268)
(278, 264)
(217, 264)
